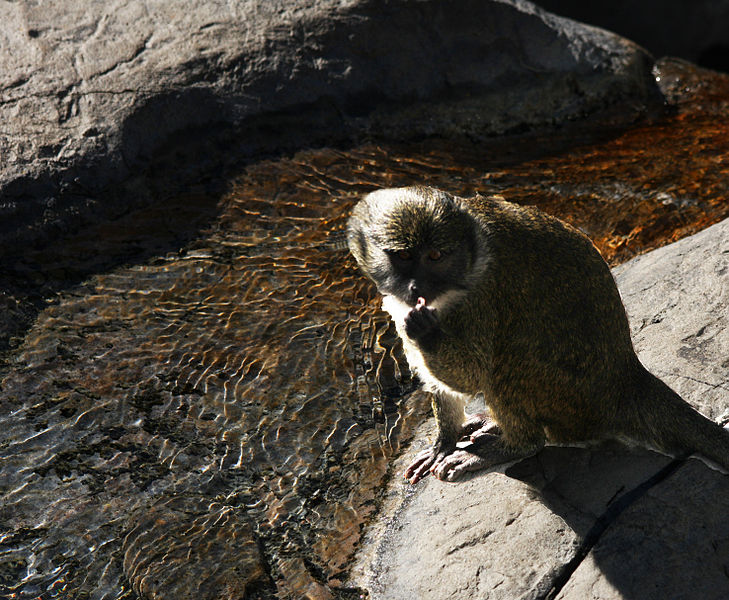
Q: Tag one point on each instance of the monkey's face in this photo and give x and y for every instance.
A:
(413, 243)
(426, 272)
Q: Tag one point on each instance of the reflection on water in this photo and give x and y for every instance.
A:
(217, 421)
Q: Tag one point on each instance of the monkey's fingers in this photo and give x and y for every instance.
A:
(420, 466)
(420, 322)
(458, 463)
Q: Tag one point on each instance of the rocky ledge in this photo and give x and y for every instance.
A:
(607, 521)
(108, 105)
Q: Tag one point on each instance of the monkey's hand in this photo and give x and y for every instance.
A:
(421, 325)
(437, 458)
(486, 451)
(427, 460)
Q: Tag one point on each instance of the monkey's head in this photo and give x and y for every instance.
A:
(413, 242)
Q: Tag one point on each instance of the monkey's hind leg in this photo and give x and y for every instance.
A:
(478, 425)
(486, 451)
(510, 436)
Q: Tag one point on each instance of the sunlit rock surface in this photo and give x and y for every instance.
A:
(608, 522)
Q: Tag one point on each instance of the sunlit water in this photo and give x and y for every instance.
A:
(218, 420)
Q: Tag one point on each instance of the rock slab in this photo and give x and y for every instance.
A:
(695, 31)
(92, 95)
(605, 522)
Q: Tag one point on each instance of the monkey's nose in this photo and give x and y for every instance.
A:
(413, 292)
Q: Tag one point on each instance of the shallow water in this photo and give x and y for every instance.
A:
(218, 419)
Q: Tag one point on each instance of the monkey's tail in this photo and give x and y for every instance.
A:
(671, 425)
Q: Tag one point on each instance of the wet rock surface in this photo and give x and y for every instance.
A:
(599, 522)
(105, 106)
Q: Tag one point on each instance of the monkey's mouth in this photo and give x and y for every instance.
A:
(419, 296)
(415, 294)
(421, 300)
(418, 299)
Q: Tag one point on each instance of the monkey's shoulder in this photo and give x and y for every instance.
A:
(497, 214)
(518, 237)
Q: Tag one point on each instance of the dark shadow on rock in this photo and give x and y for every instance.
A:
(152, 126)
(695, 31)
(650, 527)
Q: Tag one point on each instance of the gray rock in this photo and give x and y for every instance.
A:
(597, 522)
(677, 298)
(696, 31)
(105, 104)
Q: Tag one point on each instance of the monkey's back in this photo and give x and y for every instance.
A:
(553, 319)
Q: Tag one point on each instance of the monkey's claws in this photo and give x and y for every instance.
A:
(424, 463)
(457, 464)
(445, 465)
(421, 323)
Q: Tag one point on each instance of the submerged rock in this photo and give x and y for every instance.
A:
(600, 522)
(95, 95)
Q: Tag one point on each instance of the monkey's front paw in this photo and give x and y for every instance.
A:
(424, 463)
(457, 464)
(421, 323)
(445, 465)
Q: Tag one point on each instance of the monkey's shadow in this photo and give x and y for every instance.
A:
(650, 527)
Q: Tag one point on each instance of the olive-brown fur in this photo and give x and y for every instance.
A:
(538, 327)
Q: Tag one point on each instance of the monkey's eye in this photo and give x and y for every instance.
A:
(435, 254)
(404, 254)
